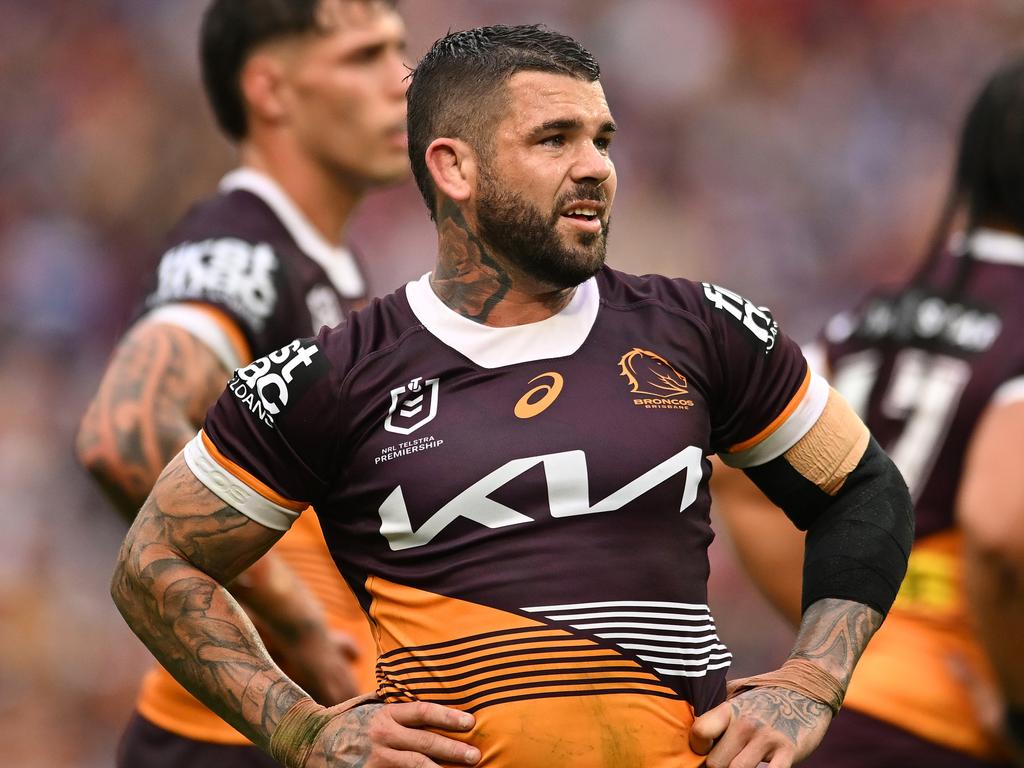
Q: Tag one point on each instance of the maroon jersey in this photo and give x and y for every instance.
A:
(920, 364)
(249, 253)
(524, 512)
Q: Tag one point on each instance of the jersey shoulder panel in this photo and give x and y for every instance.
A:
(755, 371)
(229, 252)
(285, 420)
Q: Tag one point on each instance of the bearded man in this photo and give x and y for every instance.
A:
(509, 459)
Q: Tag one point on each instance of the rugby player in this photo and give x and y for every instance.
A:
(936, 367)
(313, 94)
(509, 458)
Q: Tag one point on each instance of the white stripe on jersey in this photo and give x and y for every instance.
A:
(233, 491)
(788, 433)
(697, 646)
(198, 322)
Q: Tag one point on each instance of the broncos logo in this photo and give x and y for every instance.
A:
(651, 374)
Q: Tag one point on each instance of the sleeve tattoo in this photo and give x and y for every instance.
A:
(184, 544)
(833, 635)
(156, 390)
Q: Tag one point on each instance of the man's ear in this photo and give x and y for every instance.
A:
(262, 85)
(453, 167)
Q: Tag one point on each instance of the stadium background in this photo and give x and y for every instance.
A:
(794, 151)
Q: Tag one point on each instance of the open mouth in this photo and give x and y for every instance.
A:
(582, 214)
(585, 214)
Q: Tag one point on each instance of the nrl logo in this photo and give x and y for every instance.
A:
(650, 374)
(412, 406)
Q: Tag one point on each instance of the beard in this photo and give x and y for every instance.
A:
(530, 240)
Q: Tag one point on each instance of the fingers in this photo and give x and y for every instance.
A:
(433, 745)
(419, 714)
(708, 727)
(415, 716)
(745, 747)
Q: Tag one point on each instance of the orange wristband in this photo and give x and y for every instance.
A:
(800, 676)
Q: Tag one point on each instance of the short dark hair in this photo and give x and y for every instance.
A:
(459, 82)
(231, 31)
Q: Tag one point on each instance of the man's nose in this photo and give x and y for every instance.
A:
(397, 75)
(591, 165)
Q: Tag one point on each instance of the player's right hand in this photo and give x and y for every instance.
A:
(393, 736)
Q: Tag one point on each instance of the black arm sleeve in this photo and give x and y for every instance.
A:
(858, 541)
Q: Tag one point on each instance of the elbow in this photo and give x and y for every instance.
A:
(97, 452)
(91, 450)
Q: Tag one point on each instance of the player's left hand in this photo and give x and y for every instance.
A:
(321, 663)
(764, 724)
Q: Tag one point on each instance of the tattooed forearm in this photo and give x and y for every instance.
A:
(183, 545)
(153, 396)
(833, 635)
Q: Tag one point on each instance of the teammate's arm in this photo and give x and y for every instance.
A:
(160, 382)
(158, 386)
(990, 510)
(769, 547)
(184, 545)
(836, 483)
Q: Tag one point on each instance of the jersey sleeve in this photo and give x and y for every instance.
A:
(269, 443)
(767, 397)
(210, 263)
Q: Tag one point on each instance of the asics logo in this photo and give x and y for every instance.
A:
(530, 405)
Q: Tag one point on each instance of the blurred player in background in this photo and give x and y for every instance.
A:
(937, 370)
(313, 93)
(522, 561)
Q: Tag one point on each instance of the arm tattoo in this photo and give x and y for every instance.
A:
(833, 635)
(152, 399)
(787, 712)
(183, 545)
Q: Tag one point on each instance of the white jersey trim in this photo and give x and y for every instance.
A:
(1011, 391)
(817, 358)
(198, 323)
(558, 336)
(789, 432)
(991, 245)
(233, 491)
(339, 263)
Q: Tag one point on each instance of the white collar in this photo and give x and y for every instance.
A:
(338, 262)
(489, 347)
(991, 245)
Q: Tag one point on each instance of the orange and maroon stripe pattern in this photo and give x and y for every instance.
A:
(502, 666)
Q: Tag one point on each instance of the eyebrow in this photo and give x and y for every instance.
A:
(570, 124)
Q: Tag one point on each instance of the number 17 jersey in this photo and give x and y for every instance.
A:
(523, 512)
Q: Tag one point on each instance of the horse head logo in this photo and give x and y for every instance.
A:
(651, 374)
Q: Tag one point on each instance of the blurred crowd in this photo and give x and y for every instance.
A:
(794, 150)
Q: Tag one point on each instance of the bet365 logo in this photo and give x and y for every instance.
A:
(266, 385)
